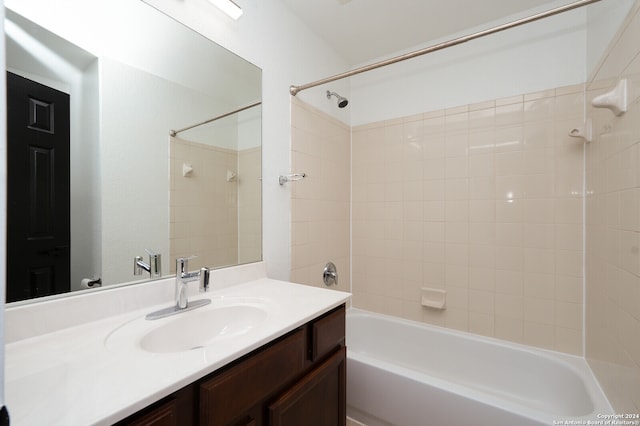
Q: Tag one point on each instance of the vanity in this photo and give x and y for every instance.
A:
(264, 352)
(296, 379)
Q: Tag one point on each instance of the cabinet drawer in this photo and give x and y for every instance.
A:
(327, 333)
(238, 389)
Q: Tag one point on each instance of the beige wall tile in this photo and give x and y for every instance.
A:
(456, 143)
(537, 334)
(456, 122)
(206, 226)
(481, 302)
(483, 201)
(509, 306)
(509, 282)
(320, 219)
(539, 285)
(540, 109)
(483, 324)
(481, 141)
(509, 136)
(482, 211)
(508, 328)
(569, 341)
(509, 114)
(457, 319)
(612, 212)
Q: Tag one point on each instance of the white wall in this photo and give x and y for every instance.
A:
(249, 124)
(269, 36)
(603, 21)
(536, 56)
(135, 201)
(89, 202)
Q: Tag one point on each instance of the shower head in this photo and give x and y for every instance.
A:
(342, 102)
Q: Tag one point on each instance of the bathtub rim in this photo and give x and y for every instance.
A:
(574, 363)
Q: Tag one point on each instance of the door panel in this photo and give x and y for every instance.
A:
(38, 190)
(318, 399)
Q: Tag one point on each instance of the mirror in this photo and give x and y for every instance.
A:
(131, 75)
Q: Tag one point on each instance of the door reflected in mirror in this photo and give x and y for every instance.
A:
(126, 190)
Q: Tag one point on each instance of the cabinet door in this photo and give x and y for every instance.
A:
(176, 410)
(318, 399)
(231, 397)
(164, 415)
(327, 333)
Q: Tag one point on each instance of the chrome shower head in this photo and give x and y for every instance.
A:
(342, 102)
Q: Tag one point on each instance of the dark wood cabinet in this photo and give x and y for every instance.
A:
(298, 379)
(233, 393)
(175, 410)
(317, 399)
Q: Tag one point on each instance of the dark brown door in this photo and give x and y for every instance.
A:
(38, 224)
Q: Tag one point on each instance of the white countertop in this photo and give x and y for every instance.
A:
(70, 376)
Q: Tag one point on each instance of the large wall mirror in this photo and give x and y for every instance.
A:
(96, 177)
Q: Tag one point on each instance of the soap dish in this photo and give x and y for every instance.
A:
(433, 298)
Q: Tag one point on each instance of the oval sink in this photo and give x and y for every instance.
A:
(199, 328)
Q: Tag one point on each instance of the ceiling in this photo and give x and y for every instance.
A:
(365, 30)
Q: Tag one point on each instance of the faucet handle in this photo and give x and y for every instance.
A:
(137, 270)
(182, 264)
(155, 263)
(205, 276)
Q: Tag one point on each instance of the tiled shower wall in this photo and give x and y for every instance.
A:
(320, 203)
(203, 206)
(483, 201)
(613, 226)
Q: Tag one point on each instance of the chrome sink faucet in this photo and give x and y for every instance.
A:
(154, 267)
(184, 277)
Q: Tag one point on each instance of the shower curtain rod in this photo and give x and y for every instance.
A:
(175, 132)
(293, 90)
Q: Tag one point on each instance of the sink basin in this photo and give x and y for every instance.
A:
(201, 328)
(223, 319)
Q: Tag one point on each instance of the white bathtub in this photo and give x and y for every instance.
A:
(411, 374)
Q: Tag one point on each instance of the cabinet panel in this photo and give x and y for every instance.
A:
(164, 415)
(228, 397)
(327, 333)
(318, 399)
(175, 410)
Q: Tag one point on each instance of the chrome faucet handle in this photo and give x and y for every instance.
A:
(154, 267)
(182, 264)
(155, 263)
(137, 269)
(205, 277)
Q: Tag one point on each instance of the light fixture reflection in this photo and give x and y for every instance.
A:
(228, 7)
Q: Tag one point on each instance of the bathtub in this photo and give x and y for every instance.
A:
(406, 373)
